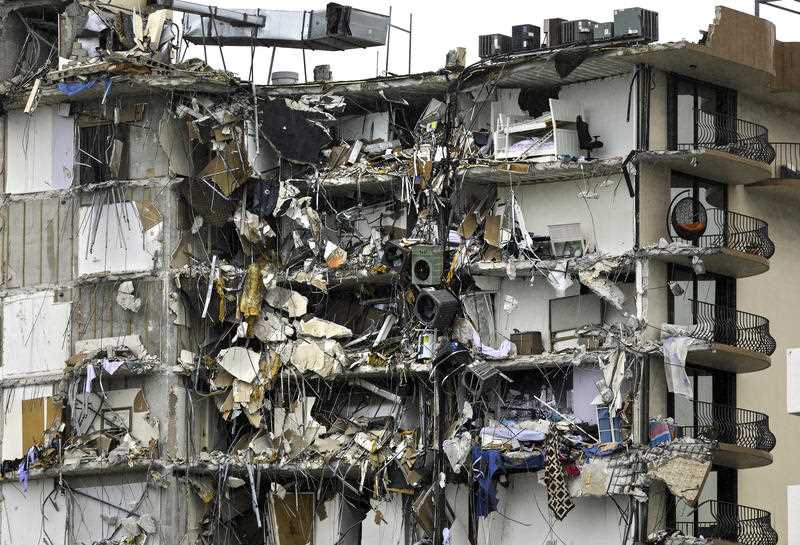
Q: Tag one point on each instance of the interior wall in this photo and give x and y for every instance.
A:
(607, 222)
(605, 103)
(523, 517)
(36, 334)
(27, 519)
(23, 420)
(41, 149)
(121, 242)
(93, 521)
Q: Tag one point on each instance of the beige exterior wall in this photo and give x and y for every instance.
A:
(775, 295)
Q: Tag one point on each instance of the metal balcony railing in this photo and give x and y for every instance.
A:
(725, 424)
(716, 520)
(736, 231)
(725, 325)
(787, 160)
(727, 133)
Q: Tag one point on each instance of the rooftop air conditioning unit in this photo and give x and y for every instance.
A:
(579, 31)
(490, 45)
(636, 23)
(552, 28)
(526, 37)
(603, 31)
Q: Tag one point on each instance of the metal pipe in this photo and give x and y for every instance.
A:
(410, 23)
(388, 35)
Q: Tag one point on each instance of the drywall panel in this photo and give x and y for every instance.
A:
(602, 206)
(369, 126)
(35, 334)
(98, 315)
(341, 525)
(119, 237)
(27, 519)
(605, 103)
(28, 411)
(388, 529)
(37, 243)
(584, 390)
(41, 150)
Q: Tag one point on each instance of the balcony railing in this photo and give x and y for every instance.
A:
(736, 231)
(727, 133)
(724, 325)
(787, 160)
(718, 520)
(725, 424)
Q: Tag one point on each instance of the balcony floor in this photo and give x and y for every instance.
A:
(724, 357)
(736, 457)
(722, 261)
(712, 164)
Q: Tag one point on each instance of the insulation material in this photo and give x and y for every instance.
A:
(118, 238)
(35, 333)
(27, 518)
(41, 159)
(30, 410)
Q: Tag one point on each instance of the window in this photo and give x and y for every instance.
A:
(102, 153)
(610, 432)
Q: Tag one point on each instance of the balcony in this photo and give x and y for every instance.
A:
(744, 437)
(739, 342)
(731, 244)
(722, 522)
(784, 170)
(722, 148)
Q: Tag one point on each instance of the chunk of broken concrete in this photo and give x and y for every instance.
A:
(289, 300)
(240, 362)
(126, 299)
(271, 328)
(321, 357)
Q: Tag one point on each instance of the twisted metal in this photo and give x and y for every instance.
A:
(725, 325)
(726, 424)
(718, 520)
(787, 160)
(730, 134)
(732, 230)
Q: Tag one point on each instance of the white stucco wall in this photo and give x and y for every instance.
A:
(11, 446)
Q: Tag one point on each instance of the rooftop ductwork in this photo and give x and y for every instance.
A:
(336, 28)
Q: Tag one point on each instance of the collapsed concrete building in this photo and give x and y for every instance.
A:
(493, 303)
